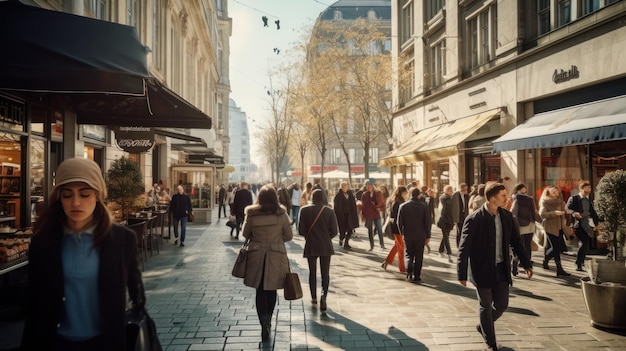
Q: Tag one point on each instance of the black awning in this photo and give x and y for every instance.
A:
(589, 123)
(97, 67)
(51, 51)
(160, 107)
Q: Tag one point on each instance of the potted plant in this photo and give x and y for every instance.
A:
(604, 290)
(125, 184)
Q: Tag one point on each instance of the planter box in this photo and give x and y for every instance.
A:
(606, 304)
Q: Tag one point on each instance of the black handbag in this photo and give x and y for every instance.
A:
(141, 334)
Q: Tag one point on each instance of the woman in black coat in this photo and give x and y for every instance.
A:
(80, 267)
(318, 225)
(344, 204)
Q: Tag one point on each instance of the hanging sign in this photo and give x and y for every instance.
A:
(135, 140)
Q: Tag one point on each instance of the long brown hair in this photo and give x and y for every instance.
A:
(51, 222)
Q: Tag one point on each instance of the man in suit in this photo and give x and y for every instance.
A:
(414, 224)
(486, 237)
(221, 199)
(460, 201)
(584, 219)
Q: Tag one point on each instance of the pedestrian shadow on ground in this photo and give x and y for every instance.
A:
(525, 293)
(357, 336)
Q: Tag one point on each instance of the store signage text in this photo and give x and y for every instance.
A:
(135, 139)
(560, 76)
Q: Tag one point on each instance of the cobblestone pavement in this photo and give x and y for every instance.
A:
(198, 305)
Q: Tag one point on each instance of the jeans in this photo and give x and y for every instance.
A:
(183, 228)
(370, 232)
(584, 238)
(324, 270)
(219, 210)
(493, 302)
(295, 211)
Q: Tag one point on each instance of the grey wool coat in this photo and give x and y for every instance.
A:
(267, 255)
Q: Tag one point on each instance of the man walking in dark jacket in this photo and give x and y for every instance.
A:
(486, 237)
(584, 217)
(243, 198)
(414, 224)
(221, 199)
(180, 207)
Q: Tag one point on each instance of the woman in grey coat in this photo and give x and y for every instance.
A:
(318, 235)
(267, 226)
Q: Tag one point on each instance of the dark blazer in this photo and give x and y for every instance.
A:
(414, 220)
(243, 198)
(318, 240)
(478, 240)
(221, 195)
(446, 209)
(343, 206)
(118, 272)
(574, 204)
(284, 199)
(180, 205)
(459, 212)
(395, 207)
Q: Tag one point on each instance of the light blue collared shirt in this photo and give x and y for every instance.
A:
(81, 263)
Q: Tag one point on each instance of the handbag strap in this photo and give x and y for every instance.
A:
(314, 221)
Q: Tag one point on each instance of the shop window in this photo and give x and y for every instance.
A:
(563, 167)
(197, 182)
(37, 178)
(10, 181)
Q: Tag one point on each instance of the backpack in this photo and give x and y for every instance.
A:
(525, 210)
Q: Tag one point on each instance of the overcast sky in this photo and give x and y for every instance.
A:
(252, 53)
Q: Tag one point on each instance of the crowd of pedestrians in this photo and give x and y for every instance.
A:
(482, 215)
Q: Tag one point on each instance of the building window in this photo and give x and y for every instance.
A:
(564, 12)
(158, 23)
(406, 22)
(482, 32)
(373, 155)
(407, 78)
(132, 10)
(588, 6)
(220, 108)
(433, 7)
(337, 15)
(437, 63)
(352, 155)
(543, 16)
(97, 8)
(371, 15)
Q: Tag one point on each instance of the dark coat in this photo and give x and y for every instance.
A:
(118, 272)
(243, 198)
(395, 207)
(267, 255)
(318, 240)
(478, 240)
(574, 204)
(180, 205)
(446, 210)
(221, 197)
(285, 199)
(414, 220)
(459, 212)
(346, 206)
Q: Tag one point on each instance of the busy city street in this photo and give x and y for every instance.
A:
(198, 305)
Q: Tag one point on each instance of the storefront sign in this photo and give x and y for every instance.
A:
(318, 168)
(560, 76)
(134, 140)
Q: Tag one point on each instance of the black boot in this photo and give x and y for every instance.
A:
(545, 264)
(560, 272)
(266, 327)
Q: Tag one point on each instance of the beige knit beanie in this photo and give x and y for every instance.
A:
(79, 169)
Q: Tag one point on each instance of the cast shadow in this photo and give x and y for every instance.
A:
(357, 336)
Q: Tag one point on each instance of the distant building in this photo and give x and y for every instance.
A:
(239, 153)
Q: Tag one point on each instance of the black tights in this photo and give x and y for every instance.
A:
(265, 303)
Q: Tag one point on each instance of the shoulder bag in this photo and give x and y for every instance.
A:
(239, 269)
(387, 228)
(141, 334)
(292, 288)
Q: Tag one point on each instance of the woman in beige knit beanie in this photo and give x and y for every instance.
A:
(80, 267)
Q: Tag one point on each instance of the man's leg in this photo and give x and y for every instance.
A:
(459, 230)
(493, 302)
(325, 270)
(410, 253)
(183, 230)
(294, 214)
(175, 224)
(419, 259)
(313, 276)
(584, 248)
